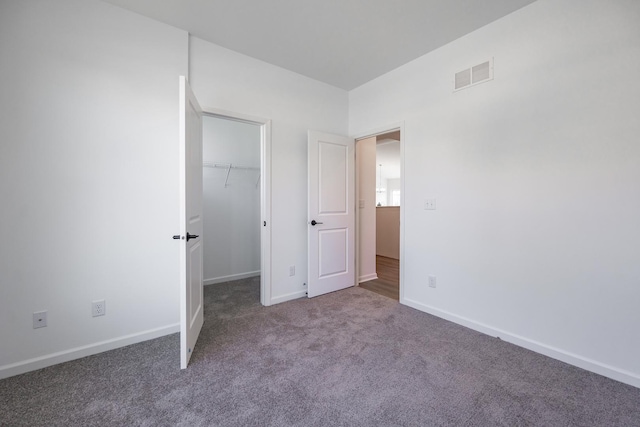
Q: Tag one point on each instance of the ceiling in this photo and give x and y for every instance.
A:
(344, 43)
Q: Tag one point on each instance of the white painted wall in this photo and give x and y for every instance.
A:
(366, 170)
(231, 213)
(392, 185)
(387, 242)
(388, 169)
(535, 236)
(88, 178)
(227, 80)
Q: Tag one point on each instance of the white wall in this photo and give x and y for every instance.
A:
(231, 213)
(227, 80)
(387, 243)
(392, 185)
(535, 236)
(366, 170)
(88, 178)
(388, 168)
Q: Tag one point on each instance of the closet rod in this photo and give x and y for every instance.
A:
(228, 167)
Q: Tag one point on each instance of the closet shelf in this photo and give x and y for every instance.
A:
(228, 167)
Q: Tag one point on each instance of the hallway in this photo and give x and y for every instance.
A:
(388, 281)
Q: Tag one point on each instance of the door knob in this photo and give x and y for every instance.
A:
(314, 222)
(191, 236)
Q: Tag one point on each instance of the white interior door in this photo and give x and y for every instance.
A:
(191, 295)
(331, 213)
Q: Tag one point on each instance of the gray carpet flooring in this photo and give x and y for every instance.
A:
(352, 358)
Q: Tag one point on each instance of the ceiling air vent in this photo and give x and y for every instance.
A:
(475, 75)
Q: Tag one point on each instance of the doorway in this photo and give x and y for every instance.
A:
(379, 176)
(236, 156)
(191, 194)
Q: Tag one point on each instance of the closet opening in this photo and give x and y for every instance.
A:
(235, 212)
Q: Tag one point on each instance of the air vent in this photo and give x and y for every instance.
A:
(463, 78)
(475, 75)
(481, 72)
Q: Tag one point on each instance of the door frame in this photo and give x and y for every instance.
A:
(363, 135)
(265, 192)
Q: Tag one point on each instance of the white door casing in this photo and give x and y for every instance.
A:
(191, 272)
(331, 213)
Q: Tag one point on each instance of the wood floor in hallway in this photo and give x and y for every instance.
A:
(388, 281)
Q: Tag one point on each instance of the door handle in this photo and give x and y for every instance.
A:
(176, 237)
(314, 222)
(191, 236)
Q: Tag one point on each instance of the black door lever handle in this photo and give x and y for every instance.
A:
(314, 222)
(191, 236)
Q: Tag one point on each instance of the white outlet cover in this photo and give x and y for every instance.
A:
(98, 308)
(430, 204)
(39, 319)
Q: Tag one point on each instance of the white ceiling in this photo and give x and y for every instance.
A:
(344, 43)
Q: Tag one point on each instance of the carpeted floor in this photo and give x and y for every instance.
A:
(352, 358)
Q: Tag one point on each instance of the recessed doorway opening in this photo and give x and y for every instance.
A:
(379, 185)
(236, 188)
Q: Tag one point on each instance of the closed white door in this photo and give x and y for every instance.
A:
(191, 292)
(331, 213)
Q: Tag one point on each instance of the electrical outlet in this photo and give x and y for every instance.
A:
(432, 281)
(292, 270)
(98, 308)
(430, 205)
(39, 319)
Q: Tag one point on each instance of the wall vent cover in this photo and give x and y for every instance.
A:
(474, 75)
(463, 78)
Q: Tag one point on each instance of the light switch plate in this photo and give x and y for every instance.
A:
(432, 281)
(361, 204)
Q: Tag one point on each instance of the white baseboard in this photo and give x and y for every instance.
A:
(367, 277)
(608, 371)
(289, 297)
(83, 351)
(230, 277)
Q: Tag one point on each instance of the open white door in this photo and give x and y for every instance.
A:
(331, 213)
(191, 298)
